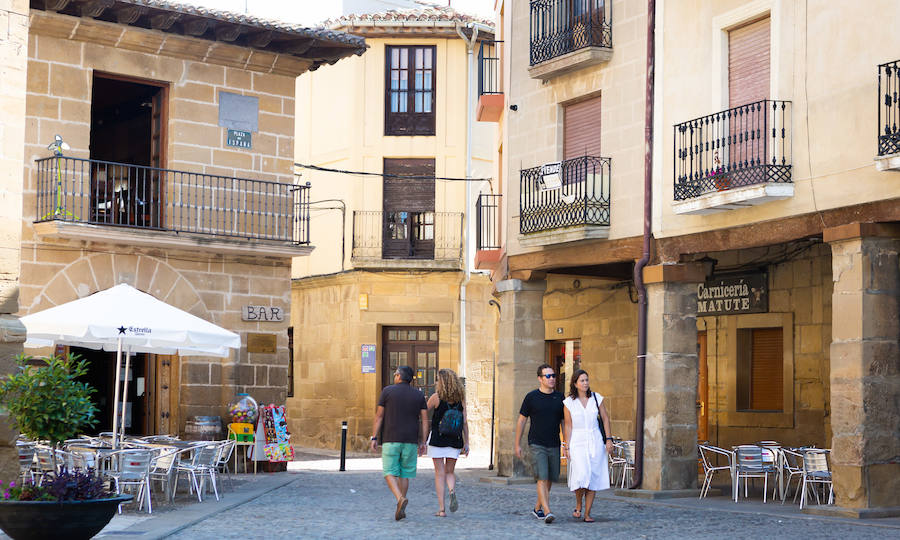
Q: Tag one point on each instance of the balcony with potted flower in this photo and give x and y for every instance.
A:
(733, 159)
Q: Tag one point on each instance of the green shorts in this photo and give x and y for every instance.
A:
(399, 459)
(545, 462)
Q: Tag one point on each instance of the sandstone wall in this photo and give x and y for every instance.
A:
(602, 316)
(801, 287)
(329, 329)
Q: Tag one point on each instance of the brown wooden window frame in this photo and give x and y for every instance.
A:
(409, 122)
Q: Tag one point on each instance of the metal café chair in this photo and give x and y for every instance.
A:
(792, 465)
(202, 464)
(45, 462)
(133, 469)
(226, 448)
(26, 453)
(749, 463)
(709, 457)
(627, 465)
(816, 471)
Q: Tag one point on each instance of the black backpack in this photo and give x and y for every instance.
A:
(451, 423)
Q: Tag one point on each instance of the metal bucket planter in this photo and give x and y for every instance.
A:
(72, 520)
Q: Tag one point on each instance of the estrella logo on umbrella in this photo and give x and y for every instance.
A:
(134, 330)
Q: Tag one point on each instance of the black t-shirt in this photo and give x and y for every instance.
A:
(402, 413)
(546, 413)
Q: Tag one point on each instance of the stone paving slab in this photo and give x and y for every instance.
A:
(357, 504)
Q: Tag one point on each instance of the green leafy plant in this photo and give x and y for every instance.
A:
(48, 402)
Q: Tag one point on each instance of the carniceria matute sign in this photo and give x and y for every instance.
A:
(733, 295)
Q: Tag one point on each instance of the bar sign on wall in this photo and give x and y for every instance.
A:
(238, 138)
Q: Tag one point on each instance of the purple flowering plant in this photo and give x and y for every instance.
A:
(66, 486)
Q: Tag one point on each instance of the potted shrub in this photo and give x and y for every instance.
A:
(47, 402)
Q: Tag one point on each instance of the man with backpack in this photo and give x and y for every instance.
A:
(544, 406)
(404, 415)
(449, 435)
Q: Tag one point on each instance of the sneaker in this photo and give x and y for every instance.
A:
(539, 513)
(454, 504)
(549, 519)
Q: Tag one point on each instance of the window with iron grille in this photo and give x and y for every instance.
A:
(409, 90)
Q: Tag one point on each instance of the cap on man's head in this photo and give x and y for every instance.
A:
(406, 373)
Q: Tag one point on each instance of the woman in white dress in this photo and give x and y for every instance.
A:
(585, 450)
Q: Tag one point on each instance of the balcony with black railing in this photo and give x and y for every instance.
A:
(119, 202)
(490, 90)
(567, 35)
(734, 158)
(487, 231)
(407, 239)
(565, 201)
(888, 116)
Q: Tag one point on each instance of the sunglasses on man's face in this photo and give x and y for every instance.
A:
(549, 375)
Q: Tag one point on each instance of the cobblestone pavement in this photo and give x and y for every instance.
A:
(358, 505)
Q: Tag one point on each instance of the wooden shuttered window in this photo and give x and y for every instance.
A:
(408, 209)
(581, 129)
(761, 369)
(749, 63)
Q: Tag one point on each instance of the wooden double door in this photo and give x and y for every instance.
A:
(413, 346)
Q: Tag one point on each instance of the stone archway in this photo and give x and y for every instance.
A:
(97, 272)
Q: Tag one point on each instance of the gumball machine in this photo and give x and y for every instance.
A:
(243, 409)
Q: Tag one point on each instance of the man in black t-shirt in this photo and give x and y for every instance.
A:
(545, 408)
(402, 410)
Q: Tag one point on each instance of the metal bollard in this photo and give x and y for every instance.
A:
(343, 446)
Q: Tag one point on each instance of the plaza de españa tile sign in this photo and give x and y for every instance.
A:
(733, 295)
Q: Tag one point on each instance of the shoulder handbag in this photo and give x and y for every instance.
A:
(599, 418)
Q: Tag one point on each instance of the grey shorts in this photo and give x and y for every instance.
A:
(545, 462)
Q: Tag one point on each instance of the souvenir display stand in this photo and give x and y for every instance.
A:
(273, 441)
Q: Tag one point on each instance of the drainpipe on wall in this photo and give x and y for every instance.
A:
(467, 236)
(645, 254)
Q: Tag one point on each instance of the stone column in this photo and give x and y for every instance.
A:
(865, 368)
(670, 425)
(13, 64)
(521, 351)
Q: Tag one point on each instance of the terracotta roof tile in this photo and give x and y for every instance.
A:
(427, 13)
(249, 20)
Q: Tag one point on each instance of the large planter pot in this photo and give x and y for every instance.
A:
(72, 520)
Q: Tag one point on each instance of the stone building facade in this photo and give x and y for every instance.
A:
(14, 62)
(158, 189)
(759, 133)
(390, 260)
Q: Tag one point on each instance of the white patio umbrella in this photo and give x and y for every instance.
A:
(124, 318)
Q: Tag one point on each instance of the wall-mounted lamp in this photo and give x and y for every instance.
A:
(514, 107)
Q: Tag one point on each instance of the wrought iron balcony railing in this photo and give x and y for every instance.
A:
(489, 68)
(577, 195)
(742, 146)
(562, 26)
(889, 108)
(398, 234)
(123, 195)
(487, 222)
